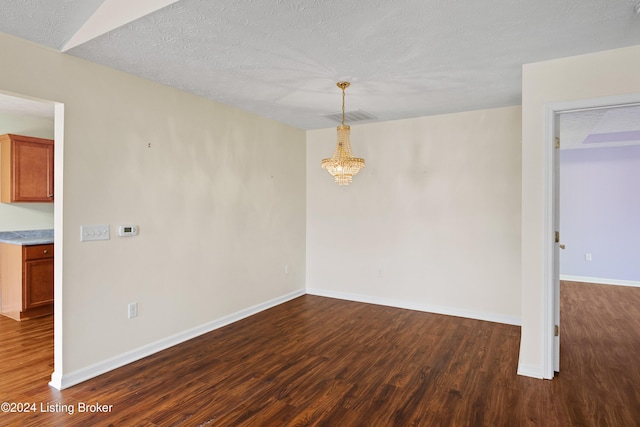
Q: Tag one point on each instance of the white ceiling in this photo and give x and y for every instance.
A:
(282, 58)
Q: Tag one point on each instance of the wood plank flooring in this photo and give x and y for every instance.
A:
(323, 362)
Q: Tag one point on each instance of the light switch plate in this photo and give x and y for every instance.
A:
(94, 232)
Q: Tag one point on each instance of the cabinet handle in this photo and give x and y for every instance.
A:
(50, 195)
(46, 251)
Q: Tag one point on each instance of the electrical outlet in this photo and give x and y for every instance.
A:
(286, 270)
(380, 273)
(132, 310)
(588, 257)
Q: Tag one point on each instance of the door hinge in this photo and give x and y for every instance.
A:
(557, 142)
(557, 237)
(556, 330)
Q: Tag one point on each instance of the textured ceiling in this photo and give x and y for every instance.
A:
(50, 23)
(282, 58)
(602, 127)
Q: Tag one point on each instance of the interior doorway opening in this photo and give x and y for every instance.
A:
(551, 315)
(28, 115)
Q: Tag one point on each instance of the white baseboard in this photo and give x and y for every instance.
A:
(530, 371)
(449, 311)
(600, 281)
(67, 380)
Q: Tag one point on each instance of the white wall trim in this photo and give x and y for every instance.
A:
(67, 380)
(61, 382)
(58, 247)
(449, 311)
(600, 281)
(550, 254)
(530, 371)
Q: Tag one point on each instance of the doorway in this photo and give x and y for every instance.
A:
(553, 113)
(599, 203)
(23, 115)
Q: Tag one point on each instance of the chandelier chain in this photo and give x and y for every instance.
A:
(343, 106)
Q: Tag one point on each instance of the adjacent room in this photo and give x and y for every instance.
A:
(320, 213)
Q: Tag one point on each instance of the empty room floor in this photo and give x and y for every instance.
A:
(327, 362)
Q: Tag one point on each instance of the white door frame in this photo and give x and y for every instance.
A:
(58, 312)
(551, 306)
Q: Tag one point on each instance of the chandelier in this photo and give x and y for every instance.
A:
(343, 165)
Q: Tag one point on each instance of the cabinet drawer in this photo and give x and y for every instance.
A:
(38, 252)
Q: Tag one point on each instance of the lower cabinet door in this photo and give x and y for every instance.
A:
(38, 283)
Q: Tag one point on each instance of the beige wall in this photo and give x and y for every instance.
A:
(218, 195)
(437, 209)
(608, 73)
(26, 216)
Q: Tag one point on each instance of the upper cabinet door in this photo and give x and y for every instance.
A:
(27, 169)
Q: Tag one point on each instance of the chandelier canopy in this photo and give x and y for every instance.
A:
(343, 165)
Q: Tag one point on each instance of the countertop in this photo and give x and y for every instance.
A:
(27, 237)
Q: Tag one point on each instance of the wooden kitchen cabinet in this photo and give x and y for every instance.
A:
(26, 169)
(26, 280)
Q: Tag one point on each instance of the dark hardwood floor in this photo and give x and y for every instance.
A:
(325, 362)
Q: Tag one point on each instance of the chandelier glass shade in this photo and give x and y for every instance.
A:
(343, 165)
